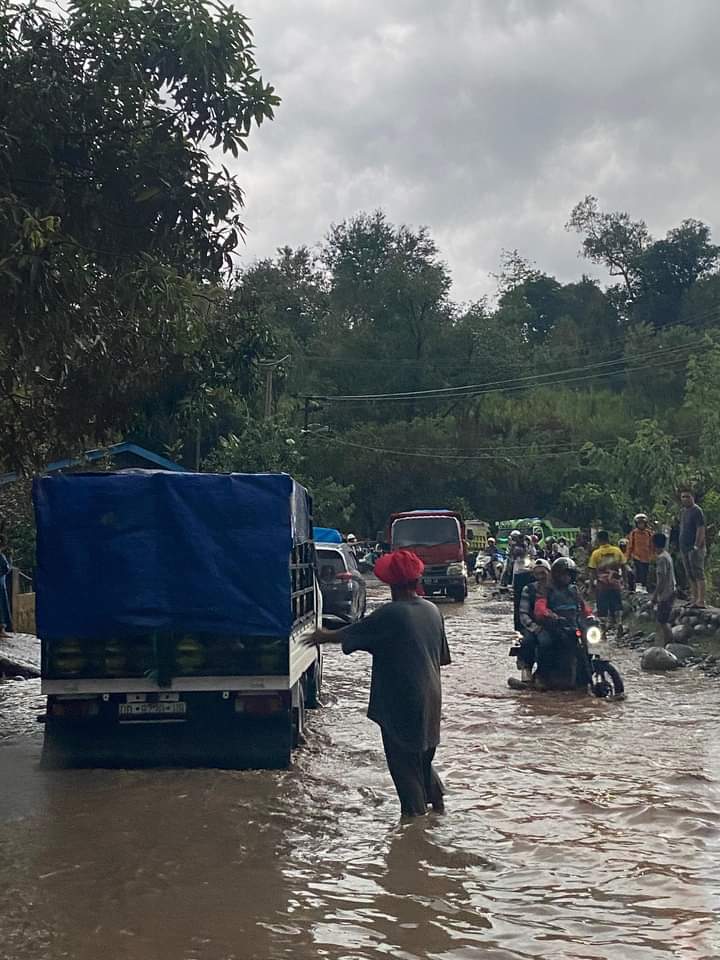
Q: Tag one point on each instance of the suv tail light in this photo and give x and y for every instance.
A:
(344, 577)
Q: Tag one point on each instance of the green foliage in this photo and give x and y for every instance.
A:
(703, 401)
(261, 446)
(114, 218)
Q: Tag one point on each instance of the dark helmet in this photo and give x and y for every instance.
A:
(564, 565)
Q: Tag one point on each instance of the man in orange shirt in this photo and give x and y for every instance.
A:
(640, 549)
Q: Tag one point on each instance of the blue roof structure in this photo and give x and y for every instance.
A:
(104, 453)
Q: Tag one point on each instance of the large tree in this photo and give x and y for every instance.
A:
(115, 223)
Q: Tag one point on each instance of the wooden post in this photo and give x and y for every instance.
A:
(14, 593)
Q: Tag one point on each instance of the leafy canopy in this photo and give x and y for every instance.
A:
(113, 217)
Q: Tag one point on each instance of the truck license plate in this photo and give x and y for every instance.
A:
(132, 711)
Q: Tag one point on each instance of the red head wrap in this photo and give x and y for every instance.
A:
(400, 566)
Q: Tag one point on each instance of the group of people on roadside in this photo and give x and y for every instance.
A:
(611, 570)
(641, 551)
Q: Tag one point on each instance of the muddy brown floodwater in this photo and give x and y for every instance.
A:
(575, 829)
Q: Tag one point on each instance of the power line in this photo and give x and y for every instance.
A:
(507, 457)
(660, 359)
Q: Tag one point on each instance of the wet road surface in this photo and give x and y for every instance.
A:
(575, 829)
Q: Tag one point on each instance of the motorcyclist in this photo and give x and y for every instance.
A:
(486, 566)
(560, 611)
(518, 571)
(539, 551)
(530, 627)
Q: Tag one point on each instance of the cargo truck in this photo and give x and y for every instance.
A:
(172, 609)
(438, 538)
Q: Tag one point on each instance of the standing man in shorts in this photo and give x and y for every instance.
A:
(692, 546)
(665, 587)
(607, 568)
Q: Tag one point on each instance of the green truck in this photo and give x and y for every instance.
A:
(543, 529)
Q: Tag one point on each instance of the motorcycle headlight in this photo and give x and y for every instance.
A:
(594, 635)
(456, 570)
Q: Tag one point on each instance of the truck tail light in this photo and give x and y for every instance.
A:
(343, 577)
(74, 709)
(260, 704)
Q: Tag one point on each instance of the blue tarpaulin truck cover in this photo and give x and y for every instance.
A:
(122, 554)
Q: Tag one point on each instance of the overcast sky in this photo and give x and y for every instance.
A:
(485, 120)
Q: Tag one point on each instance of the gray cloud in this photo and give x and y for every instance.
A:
(485, 120)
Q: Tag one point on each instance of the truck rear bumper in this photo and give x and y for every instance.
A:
(443, 585)
(213, 733)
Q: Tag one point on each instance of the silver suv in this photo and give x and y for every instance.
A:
(343, 587)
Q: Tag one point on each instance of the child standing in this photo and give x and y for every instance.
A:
(665, 587)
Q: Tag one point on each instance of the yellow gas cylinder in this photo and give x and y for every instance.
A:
(68, 658)
(189, 655)
(115, 657)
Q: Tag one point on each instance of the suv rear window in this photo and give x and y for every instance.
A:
(330, 563)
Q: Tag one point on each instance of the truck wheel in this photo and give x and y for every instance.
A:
(314, 685)
(458, 595)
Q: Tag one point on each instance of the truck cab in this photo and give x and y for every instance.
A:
(438, 538)
(172, 609)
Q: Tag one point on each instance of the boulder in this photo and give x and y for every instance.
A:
(683, 651)
(681, 632)
(699, 628)
(658, 659)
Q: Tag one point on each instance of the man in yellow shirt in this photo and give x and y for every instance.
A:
(607, 567)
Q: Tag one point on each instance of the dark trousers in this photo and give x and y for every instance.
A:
(641, 571)
(5, 615)
(415, 779)
(528, 649)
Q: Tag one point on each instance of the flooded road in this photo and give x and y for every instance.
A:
(575, 829)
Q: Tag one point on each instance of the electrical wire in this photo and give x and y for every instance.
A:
(445, 392)
(500, 457)
(659, 361)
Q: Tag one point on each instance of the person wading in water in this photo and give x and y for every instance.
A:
(406, 639)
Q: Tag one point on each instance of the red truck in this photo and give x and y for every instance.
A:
(438, 538)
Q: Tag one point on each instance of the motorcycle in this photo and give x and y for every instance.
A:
(490, 568)
(568, 659)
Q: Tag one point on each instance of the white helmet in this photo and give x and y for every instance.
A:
(514, 534)
(640, 516)
(351, 538)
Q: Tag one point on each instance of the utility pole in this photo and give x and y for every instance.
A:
(269, 366)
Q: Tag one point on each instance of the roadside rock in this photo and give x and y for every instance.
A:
(659, 659)
(681, 632)
(683, 651)
(19, 656)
